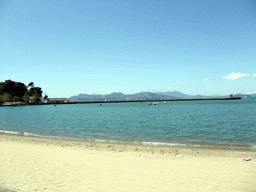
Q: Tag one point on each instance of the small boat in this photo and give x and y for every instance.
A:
(11, 103)
(155, 103)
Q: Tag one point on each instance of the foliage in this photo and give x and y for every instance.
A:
(45, 97)
(14, 88)
(15, 99)
(35, 97)
(25, 98)
(31, 84)
(17, 91)
(5, 97)
(35, 90)
(1, 88)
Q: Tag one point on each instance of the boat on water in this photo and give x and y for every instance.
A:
(12, 103)
(155, 103)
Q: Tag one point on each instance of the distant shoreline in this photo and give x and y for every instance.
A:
(157, 100)
(133, 101)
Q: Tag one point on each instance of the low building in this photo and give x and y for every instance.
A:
(56, 100)
(32, 100)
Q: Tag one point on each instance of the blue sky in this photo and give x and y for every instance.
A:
(69, 47)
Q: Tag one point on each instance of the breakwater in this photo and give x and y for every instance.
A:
(131, 101)
(142, 101)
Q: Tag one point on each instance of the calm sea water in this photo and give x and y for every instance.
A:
(228, 124)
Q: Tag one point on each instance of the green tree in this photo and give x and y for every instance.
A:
(20, 89)
(35, 90)
(14, 88)
(6, 97)
(31, 85)
(36, 97)
(17, 91)
(45, 97)
(8, 87)
(25, 98)
(1, 88)
(15, 99)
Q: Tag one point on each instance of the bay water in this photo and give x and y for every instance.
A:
(219, 123)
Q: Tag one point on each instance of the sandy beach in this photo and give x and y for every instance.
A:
(36, 164)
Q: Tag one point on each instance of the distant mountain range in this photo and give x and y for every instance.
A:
(146, 96)
(180, 95)
(246, 95)
(119, 97)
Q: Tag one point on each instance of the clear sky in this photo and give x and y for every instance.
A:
(69, 47)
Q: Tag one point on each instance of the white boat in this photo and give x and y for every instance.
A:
(11, 103)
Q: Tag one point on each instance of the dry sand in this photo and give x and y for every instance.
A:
(35, 164)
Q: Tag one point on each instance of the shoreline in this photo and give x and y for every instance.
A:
(36, 164)
(197, 145)
(119, 147)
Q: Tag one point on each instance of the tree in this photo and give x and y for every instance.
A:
(1, 88)
(14, 88)
(45, 97)
(20, 89)
(31, 84)
(17, 91)
(26, 98)
(15, 99)
(9, 87)
(6, 97)
(35, 90)
(36, 98)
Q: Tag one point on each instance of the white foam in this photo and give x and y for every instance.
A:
(121, 141)
(9, 132)
(18, 133)
(162, 144)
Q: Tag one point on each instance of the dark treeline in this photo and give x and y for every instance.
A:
(17, 91)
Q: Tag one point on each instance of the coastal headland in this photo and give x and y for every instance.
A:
(38, 164)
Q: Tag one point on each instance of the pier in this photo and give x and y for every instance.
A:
(130, 101)
(139, 101)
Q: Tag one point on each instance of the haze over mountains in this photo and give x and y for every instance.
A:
(145, 96)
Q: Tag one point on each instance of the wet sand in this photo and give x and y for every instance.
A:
(35, 164)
